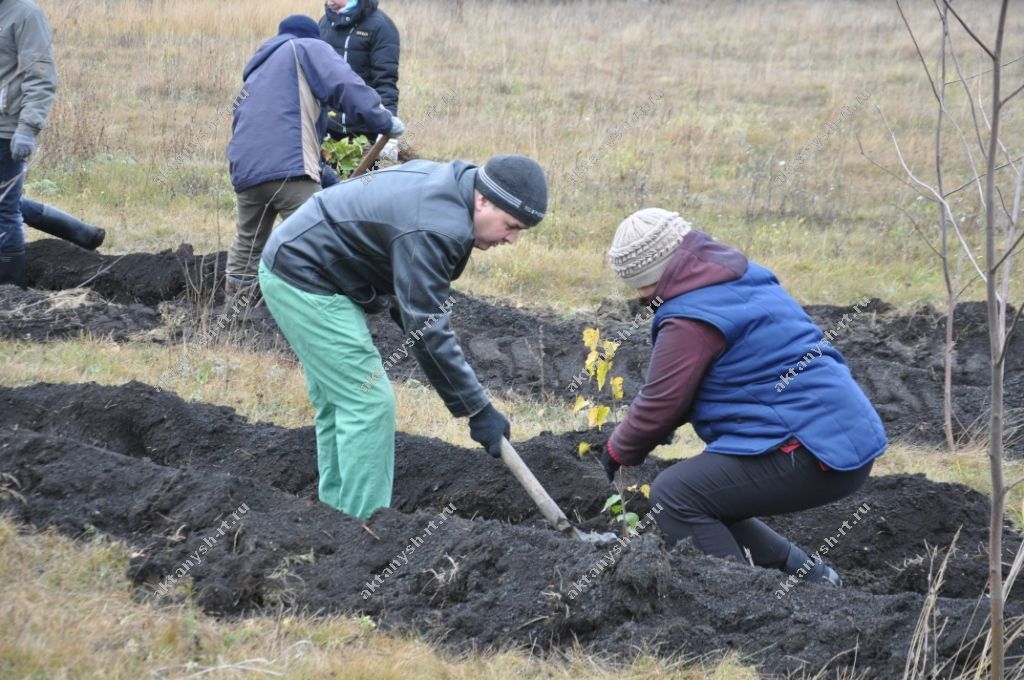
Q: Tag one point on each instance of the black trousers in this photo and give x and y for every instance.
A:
(716, 499)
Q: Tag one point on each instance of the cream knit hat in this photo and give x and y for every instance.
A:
(644, 243)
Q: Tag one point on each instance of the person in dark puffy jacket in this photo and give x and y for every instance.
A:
(786, 426)
(366, 38)
(277, 130)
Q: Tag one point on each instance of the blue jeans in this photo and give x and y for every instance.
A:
(12, 236)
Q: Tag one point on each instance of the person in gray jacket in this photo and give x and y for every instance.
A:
(28, 83)
(393, 241)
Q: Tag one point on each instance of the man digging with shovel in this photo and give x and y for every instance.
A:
(395, 244)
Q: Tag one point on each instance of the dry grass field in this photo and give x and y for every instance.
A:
(745, 86)
(726, 94)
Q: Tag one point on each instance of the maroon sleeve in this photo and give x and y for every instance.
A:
(684, 352)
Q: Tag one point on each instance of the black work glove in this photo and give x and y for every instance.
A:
(396, 316)
(488, 427)
(608, 463)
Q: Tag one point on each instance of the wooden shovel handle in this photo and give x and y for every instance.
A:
(547, 506)
(371, 156)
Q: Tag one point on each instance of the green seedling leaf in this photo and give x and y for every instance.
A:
(612, 500)
(630, 519)
(343, 154)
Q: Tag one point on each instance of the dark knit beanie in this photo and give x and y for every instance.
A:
(515, 184)
(300, 26)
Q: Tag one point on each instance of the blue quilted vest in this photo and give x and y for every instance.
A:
(776, 378)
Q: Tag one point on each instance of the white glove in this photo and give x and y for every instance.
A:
(390, 151)
(397, 127)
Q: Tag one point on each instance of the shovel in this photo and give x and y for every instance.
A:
(371, 156)
(547, 506)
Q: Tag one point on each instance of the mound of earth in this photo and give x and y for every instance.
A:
(896, 358)
(33, 315)
(149, 278)
(170, 478)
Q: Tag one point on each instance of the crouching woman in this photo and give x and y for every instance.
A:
(725, 338)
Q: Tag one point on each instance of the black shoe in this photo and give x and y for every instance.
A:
(815, 570)
(12, 268)
(97, 239)
(58, 223)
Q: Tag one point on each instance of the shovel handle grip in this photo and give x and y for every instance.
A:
(547, 506)
(371, 156)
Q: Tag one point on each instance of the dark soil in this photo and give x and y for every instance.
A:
(136, 277)
(34, 315)
(144, 466)
(897, 359)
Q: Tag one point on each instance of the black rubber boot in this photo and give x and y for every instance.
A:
(814, 569)
(12, 268)
(58, 223)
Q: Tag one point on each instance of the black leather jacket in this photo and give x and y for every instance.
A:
(405, 232)
(368, 40)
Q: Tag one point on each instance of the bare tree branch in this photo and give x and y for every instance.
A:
(988, 126)
(1009, 251)
(892, 174)
(967, 184)
(924, 64)
(970, 32)
(1011, 95)
(1005, 63)
(1009, 333)
(970, 99)
(1015, 483)
(920, 231)
(1002, 204)
(966, 286)
(929, 189)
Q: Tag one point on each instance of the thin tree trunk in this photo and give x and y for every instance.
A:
(947, 360)
(996, 339)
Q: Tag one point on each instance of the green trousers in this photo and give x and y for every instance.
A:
(355, 426)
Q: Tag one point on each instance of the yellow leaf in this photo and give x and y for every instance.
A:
(602, 372)
(591, 363)
(617, 388)
(580, 404)
(590, 338)
(645, 489)
(584, 447)
(609, 349)
(597, 415)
